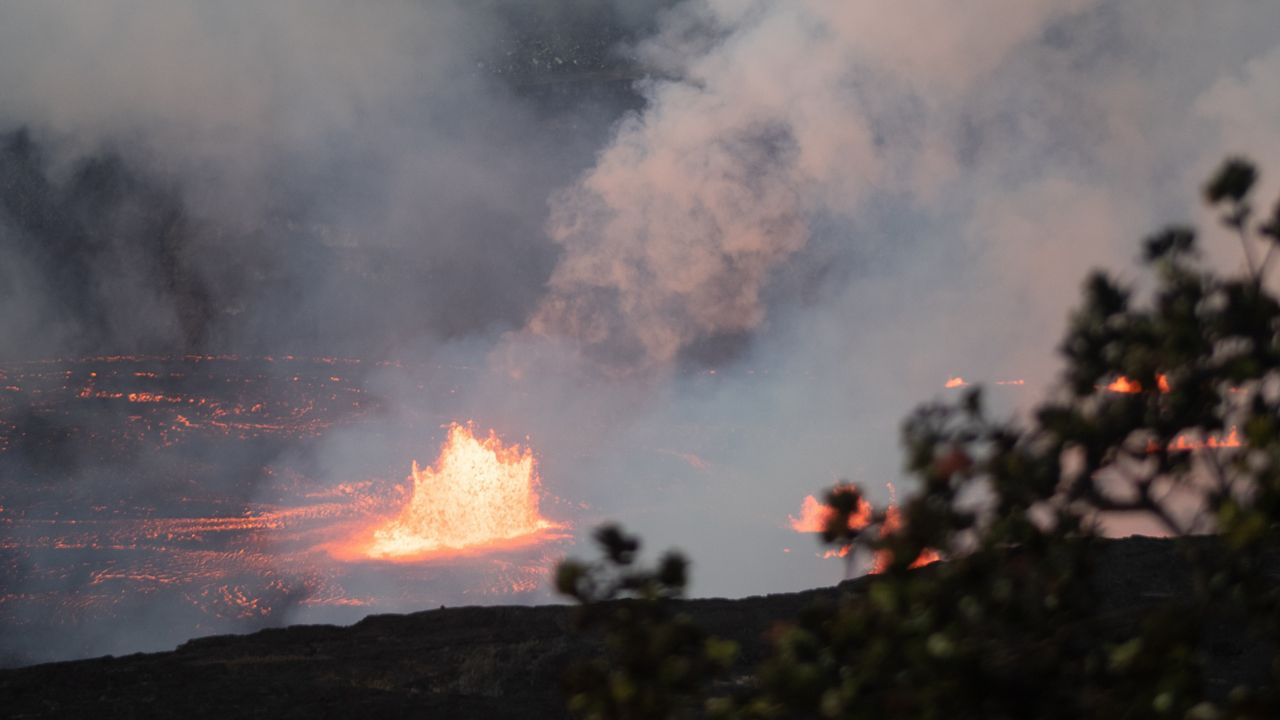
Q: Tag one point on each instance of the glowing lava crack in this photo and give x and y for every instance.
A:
(480, 494)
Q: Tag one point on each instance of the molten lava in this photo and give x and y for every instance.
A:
(1183, 443)
(1126, 386)
(884, 558)
(480, 493)
(815, 516)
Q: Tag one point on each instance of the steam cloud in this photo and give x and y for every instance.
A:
(769, 117)
(835, 205)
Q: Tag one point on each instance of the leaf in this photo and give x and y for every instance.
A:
(1232, 181)
(1172, 241)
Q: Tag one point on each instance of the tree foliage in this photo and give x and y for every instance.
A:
(1011, 625)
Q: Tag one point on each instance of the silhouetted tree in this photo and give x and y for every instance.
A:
(1011, 625)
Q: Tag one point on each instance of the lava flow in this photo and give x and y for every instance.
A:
(168, 497)
(479, 495)
(1126, 386)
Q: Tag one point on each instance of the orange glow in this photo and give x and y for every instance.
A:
(1123, 384)
(814, 516)
(1184, 444)
(884, 558)
(1231, 440)
(839, 552)
(928, 557)
(479, 494)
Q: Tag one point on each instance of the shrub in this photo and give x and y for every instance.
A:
(1168, 408)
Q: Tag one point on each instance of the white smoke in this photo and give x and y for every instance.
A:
(769, 114)
(879, 197)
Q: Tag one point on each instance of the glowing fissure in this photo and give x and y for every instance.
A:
(480, 492)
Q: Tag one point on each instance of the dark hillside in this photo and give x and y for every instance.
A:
(495, 662)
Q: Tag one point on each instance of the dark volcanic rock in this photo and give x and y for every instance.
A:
(481, 662)
(477, 662)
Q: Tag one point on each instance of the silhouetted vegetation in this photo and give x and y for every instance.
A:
(1011, 624)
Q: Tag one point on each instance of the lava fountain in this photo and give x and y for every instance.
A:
(166, 497)
(480, 494)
